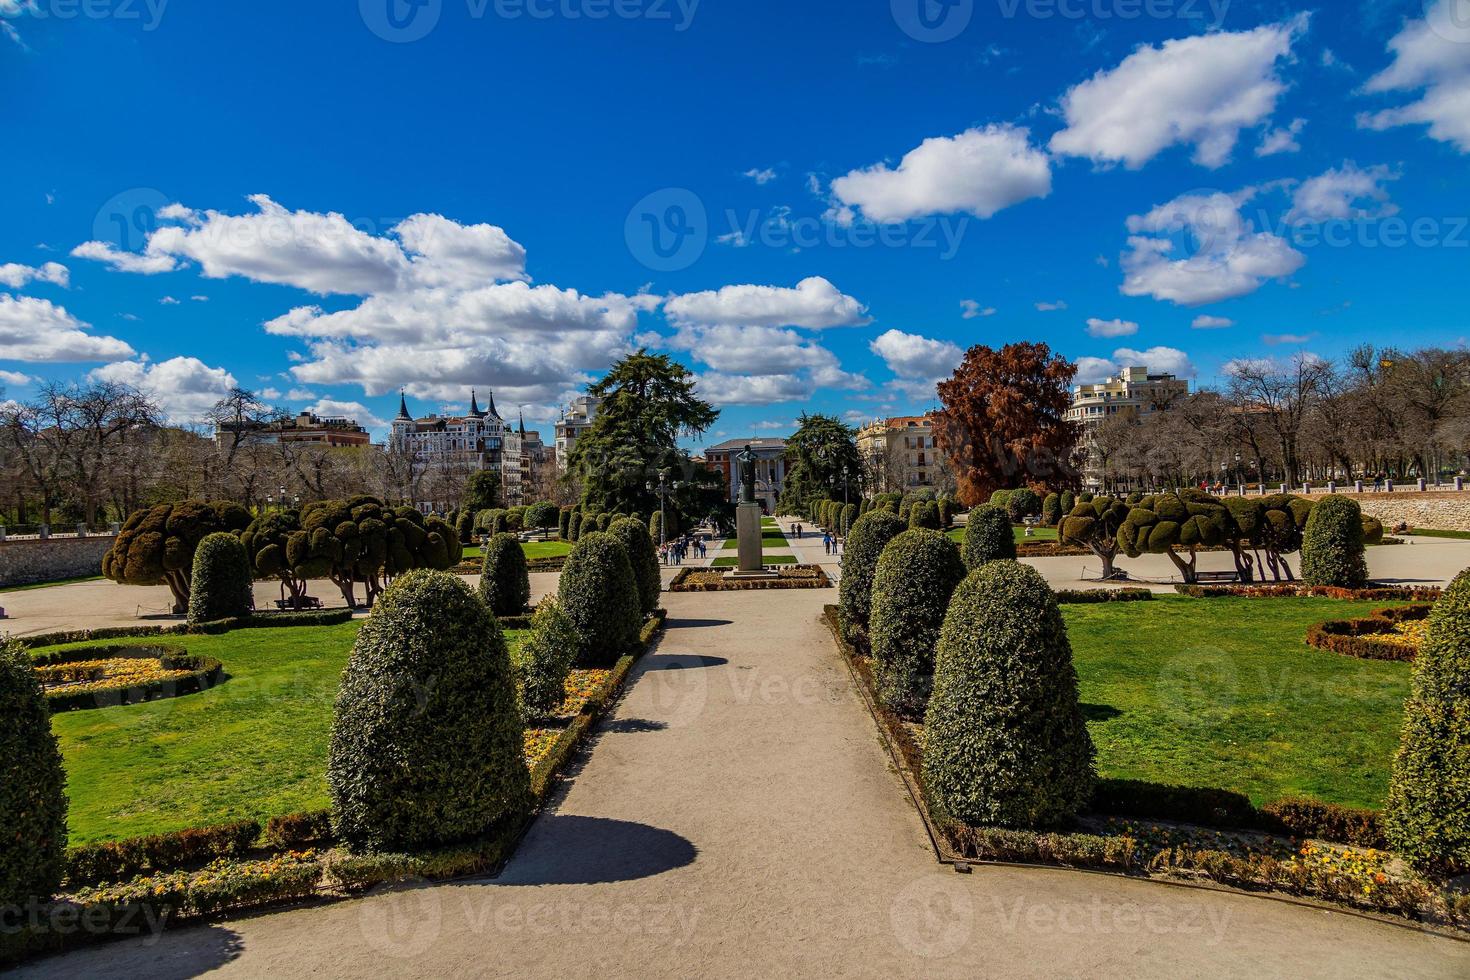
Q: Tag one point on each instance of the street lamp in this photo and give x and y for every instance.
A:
(663, 488)
(283, 497)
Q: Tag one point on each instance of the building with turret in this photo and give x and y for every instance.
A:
(480, 439)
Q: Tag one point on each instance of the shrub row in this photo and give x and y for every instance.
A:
(120, 860)
(788, 577)
(293, 831)
(1086, 596)
(1363, 637)
(305, 617)
(1302, 591)
(203, 672)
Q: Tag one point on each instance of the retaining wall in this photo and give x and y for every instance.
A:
(26, 561)
(1443, 510)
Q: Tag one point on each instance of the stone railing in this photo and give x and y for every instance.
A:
(33, 559)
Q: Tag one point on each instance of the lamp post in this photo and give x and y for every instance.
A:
(282, 498)
(663, 488)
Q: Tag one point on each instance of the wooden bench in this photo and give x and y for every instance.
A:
(1202, 577)
(307, 602)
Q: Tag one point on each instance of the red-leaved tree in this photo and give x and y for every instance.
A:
(1003, 424)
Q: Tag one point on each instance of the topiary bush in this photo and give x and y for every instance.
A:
(221, 586)
(545, 659)
(656, 527)
(1069, 502)
(1428, 814)
(924, 514)
(32, 785)
(999, 498)
(541, 515)
(574, 526)
(1332, 544)
(946, 512)
(1021, 504)
(916, 574)
(600, 595)
(865, 544)
(1005, 742)
(1051, 510)
(633, 535)
(564, 523)
(988, 537)
(156, 545)
(505, 581)
(849, 518)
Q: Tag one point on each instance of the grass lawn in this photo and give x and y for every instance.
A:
(769, 540)
(1427, 532)
(1225, 693)
(546, 549)
(253, 747)
(766, 559)
(1038, 534)
(47, 585)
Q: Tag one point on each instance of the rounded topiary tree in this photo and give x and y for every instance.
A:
(464, 525)
(505, 581)
(600, 596)
(1427, 819)
(32, 785)
(541, 515)
(1000, 498)
(545, 659)
(564, 523)
(916, 575)
(656, 527)
(277, 548)
(1094, 525)
(946, 512)
(1005, 742)
(1332, 544)
(1051, 510)
(633, 535)
(1068, 502)
(1021, 504)
(924, 514)
(574, 526)
(865, 544)
(849, 517)
(426, 746)
(156, 545)
(515, 520)
(988, 536)
(221, 586)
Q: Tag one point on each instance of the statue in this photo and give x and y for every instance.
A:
(747, 475)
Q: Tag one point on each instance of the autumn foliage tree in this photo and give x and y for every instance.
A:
(1004, 420)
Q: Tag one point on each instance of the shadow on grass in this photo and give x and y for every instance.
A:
(1099, 712)
(571, 850)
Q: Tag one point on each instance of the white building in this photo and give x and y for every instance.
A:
(576, 420)
(480, 438)
(1133, 392)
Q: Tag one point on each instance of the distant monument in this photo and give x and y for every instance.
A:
(748, 520)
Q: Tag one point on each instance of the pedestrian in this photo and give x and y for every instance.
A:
(826, 542)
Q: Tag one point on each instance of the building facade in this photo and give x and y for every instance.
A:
(770, 468)
(576, 420)
(1133, 392)
(480, 439)
(305, 427)
(899, 454)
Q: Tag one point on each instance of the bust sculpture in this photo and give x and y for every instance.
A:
(747, 475)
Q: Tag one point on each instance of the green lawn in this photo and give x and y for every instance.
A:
(47, 585)
(1225, 693)
(1019, 531)
(1427, 532)
(766, 559)
(533, 549)
(769, 540)
(252, 747)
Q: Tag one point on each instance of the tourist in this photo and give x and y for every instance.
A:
(827, 542)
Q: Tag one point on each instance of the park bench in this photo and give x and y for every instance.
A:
(307, 602)
(1203, 577)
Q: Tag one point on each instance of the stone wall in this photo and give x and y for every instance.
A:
(1442, 510)
(26, 561)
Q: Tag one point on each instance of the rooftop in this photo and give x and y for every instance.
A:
(733, 445)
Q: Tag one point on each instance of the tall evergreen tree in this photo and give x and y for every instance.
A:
(817, 453)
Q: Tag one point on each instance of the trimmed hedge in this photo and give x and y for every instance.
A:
(865, 544)
(505, 580)
(204, 672)
(600, 595)
(1332, 544)
(1301, 591)
(221, 586)
(1021, 504)
(1086, 596)
(32, 785)
(295, 831)
(1051, 510)
(306, 617)
(426, 746)
(924, 514)
(121, 860)
(564, 523)
(1005, 742)
(1360, 637)
(633, 534)
(917, 572)
(988, 537)
(1428, 812)
(545, 659)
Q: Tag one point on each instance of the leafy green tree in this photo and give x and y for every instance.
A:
(816, 456)
(427, 744)
(988, 536)
(1332, 544)
(542, 515)
(1428, 815)
(221, 586)
(32, 785)
(505, 581)
(481, 492)
(600, 596)
(156, 546)
(1021, 504)
(917, 572)
(370, 543)
(1005, 743)
(1094, 526)
(865, 544)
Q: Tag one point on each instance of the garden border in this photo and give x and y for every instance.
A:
(305, 617)
(204, 672)
(1350, 637)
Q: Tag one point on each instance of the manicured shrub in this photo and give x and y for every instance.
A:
(545, 659)
(1000, 498)
(1094, 525)
(1428, 812)
(32, 785)
(156, 545)
(946, 512)
(574, 526)
(221, 586)
(464, 526)
(1005, 742)
(1332, 545)
(633, 535)
(865, 544)
(916, 574)
(600, 595)
(988, 536)
(541, 515)
(505, 582)
(515, 520)
(1069, 502)
(1021, 504)
(1051, 510)
(426, 746)
(905, 508)
(924, 514)
(656, 527)
(849, 518)
(564, 524)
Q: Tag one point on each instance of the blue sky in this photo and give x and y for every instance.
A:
(815, 206)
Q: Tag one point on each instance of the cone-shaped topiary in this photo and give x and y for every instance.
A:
(564, 524)
(988, 536)
(865, 544)
(1005, 742)
(916, 575)
(1051, 509)
(221, 586)
(505, 582)
(1332, 544)
(574, 526)
(545, 659)
(1069, 501)
(600, 596)
(426, 745)
(1427, 819)
(633, 534)
(656, 527)
(32, 785)
(849, 518)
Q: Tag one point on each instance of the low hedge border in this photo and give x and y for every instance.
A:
(1086, 596)
(204, 672)
(172, 895)
(1297, 590)
(306, 617)
(813, 577)
(1356, 637)
(1204, 807)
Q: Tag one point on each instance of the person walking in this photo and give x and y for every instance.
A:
(826, 542)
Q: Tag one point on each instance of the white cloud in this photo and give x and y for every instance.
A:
(1158, 360)
(1228, 257)
(768, 389)
(979, 172)
(761, 175)
(184, 387)
(1201, 90)
(1206, 322)
(1111, 328)
(1335, 195)
(119, 261)
(16, 276)
(1281, 140)
(168, 301)
(1431, 56)
(200, 299)
(815, 304)
(1279, 339)
(774, 425)
(973, 309)
(911, 356)
(1056, 307)
(14, 378)
(357, 411)
(752, 350)
(300, 395)
(1094, 370)
(33, 329)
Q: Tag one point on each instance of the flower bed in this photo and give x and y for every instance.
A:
(713, 580)
(1289, 590)
(1079, 596)
(104, 676)
(1388, 634)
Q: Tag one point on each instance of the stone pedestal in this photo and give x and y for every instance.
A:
(748, 539)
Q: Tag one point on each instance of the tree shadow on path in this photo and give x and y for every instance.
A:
(570, 850)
